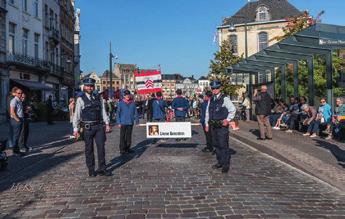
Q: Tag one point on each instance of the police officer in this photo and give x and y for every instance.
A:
(219, 113)
(90, 114)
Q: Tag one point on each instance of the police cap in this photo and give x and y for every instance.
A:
(89, 82)
(215, 84)
(126, 92)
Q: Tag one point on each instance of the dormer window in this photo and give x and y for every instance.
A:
(262, 14)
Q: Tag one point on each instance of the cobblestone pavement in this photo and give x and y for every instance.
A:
(167, 180)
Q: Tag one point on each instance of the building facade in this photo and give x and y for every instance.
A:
(190, 86)
(203, 84)
(105, 80)
(263, 19)
(67, 26)
(3, 71)
(169, 84)
(76, 60)
(125, 72)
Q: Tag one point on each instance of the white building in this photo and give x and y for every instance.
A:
(203, 83)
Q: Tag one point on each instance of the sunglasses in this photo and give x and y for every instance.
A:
(214, 88)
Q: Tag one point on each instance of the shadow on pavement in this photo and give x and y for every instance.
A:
(255, 132)
(180, 144)
(139, 149)
(337, 152)
(30, 169)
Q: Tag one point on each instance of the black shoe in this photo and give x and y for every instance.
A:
(92, 173)
(130, 151)
(205, 150)
(225, 169)
(104, 173)
(18, 153)
(268, 138)
(261, 139)
(217, 166)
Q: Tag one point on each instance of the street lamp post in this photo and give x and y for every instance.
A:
(110, 91)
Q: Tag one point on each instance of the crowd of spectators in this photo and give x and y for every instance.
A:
(313, 121)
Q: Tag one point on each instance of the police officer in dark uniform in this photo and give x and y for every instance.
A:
(219, 113)
(90, 115)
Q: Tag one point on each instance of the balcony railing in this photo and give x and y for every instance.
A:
(56, 70)
(3, 4)
(54, 37)
(27, 60)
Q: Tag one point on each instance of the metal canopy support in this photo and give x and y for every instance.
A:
(295, 79)
(329, 79)
(310, 63)
(283, 82)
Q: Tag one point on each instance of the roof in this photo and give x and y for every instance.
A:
(278, 9)
(171, 77)
(106, 75)
(202, 78)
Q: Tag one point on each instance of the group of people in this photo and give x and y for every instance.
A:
(298, 115)
(18, 122)
(90, 116)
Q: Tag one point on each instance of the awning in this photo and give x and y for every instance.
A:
(32, 85)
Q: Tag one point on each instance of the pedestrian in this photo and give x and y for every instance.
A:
(158, 108)
(71, 110)
(312, 123)
(24, 134)
(50, 109)
(219, 113)
(247, 106)
(339, 119)
(17, 115)
(126, 116)
(91, 116)
(325, 116)
(149, 112)
(204, 105)
(180, 105)
(263, 109)
(292, 114)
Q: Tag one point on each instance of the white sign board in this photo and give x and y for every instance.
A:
(168, 130)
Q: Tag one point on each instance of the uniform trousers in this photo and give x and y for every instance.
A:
(220, 141)
(125, 138)
(96, 133)
(208, 136)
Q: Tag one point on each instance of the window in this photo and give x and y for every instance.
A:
(46, 15)
(46, 55)
(56, 21)
(11, 2)
(263, 40)
(37, 39)
(51, 18)
(262, 14)
(25, 5)
(57, 56)
(233, 43)
(25, 42)
(11, 39)
(36, 8)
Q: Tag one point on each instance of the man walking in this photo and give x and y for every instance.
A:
(204, 105)
(24, 134)
(17, 116)
(49, 110)
(180, 105)
(126, 115)
(158, 108)
(90, 114)
(219, 113)
(263, 109)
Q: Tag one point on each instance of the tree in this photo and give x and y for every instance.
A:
(223, 59)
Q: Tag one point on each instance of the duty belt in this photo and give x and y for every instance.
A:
(89, 124)
(216, 123)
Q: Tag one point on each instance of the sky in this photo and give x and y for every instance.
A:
(175, 34)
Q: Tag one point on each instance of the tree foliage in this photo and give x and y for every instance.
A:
(223, 59)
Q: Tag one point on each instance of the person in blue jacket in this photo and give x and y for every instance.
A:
(180, 106)
(204, 104)
(126, 115)
(158, 108)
